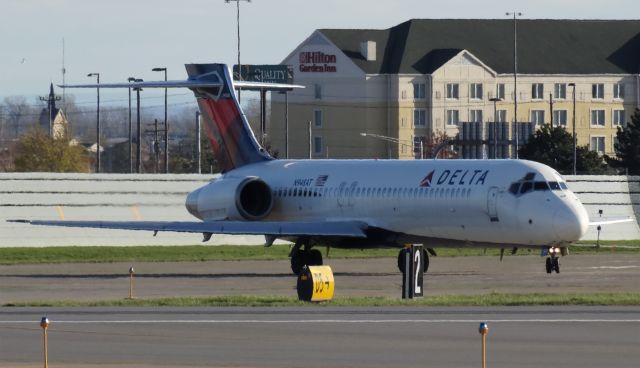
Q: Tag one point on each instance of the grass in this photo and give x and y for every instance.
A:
(197, 253)
(484, 300)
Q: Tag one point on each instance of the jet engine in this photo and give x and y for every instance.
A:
(248, 198)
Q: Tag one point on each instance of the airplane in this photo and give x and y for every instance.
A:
(372, 203)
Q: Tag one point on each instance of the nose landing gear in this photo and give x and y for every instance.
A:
(552, 263)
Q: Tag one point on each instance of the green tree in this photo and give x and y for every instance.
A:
(37, 151)
(553, 146)
(628, 146)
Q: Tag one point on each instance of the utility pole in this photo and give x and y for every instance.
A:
(130, 79)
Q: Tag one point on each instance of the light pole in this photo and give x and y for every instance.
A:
(138, 143)
(394, 140)
(495, 100)
(575, 153)
(166, 123)
(238, 23)
(97, 75)
(515, 74)
(130, 79)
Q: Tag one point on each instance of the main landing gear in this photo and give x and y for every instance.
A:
(302, 255)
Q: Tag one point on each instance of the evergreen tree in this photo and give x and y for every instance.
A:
(553, 146)
(628, 147)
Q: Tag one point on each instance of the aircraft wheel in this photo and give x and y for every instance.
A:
(401, 260)
(549, 265)
(314, 258)
(297, 261)
(425, 260)
(556, 265)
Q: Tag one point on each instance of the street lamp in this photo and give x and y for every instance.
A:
(130, 79)
(495, 100)
(515, 73)
(238, 22)
(166, 123)
(97, 75)
(138, 143)
(575, 153)
(395, 140)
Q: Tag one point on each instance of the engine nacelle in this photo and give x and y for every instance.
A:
(248, 198)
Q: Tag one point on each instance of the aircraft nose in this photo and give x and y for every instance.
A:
(570, 223)
(192, 203)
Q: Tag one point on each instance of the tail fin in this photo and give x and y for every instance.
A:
(226, 126)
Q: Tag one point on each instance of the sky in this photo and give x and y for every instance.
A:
(127, 38)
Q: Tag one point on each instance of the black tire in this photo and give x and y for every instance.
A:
(401, 260)
(297, 261)
(556, 265)
(314, 258)
(425, 260)
(549, 265)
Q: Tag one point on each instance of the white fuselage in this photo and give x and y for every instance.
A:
(464, 201)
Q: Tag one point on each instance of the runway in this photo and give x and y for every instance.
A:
(320, 336)
(323, 337)
(354, 277)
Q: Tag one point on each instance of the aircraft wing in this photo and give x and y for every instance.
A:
(608, 220)
(275, 228)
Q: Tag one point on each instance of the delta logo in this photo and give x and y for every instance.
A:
(456, 177)
(426, 182)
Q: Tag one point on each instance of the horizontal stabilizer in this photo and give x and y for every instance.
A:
(608, 220)
(190, 83)
(275, 228)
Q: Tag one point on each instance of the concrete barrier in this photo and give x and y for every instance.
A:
(49, 196)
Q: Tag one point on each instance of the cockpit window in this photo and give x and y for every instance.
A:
(540, 185)
(513, 189)
(563, 185)
(554, 185)
(527, 186)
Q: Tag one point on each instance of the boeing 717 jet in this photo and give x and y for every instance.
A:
(360, 203)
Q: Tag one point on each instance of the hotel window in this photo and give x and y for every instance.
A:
(475, 91)
(317, 145)
(597, 144)
(618, 91)
(419, 118)
(502, 116)
(597, 91)
(453, 91)
(475, 116)
(317, 88)
(317, 118)
(560, 118)
(597, 117)
(537, 91)
(452, 117)
(618, 118)
(537, 117)
(418, 91)
(560, 91)
(500, 91)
